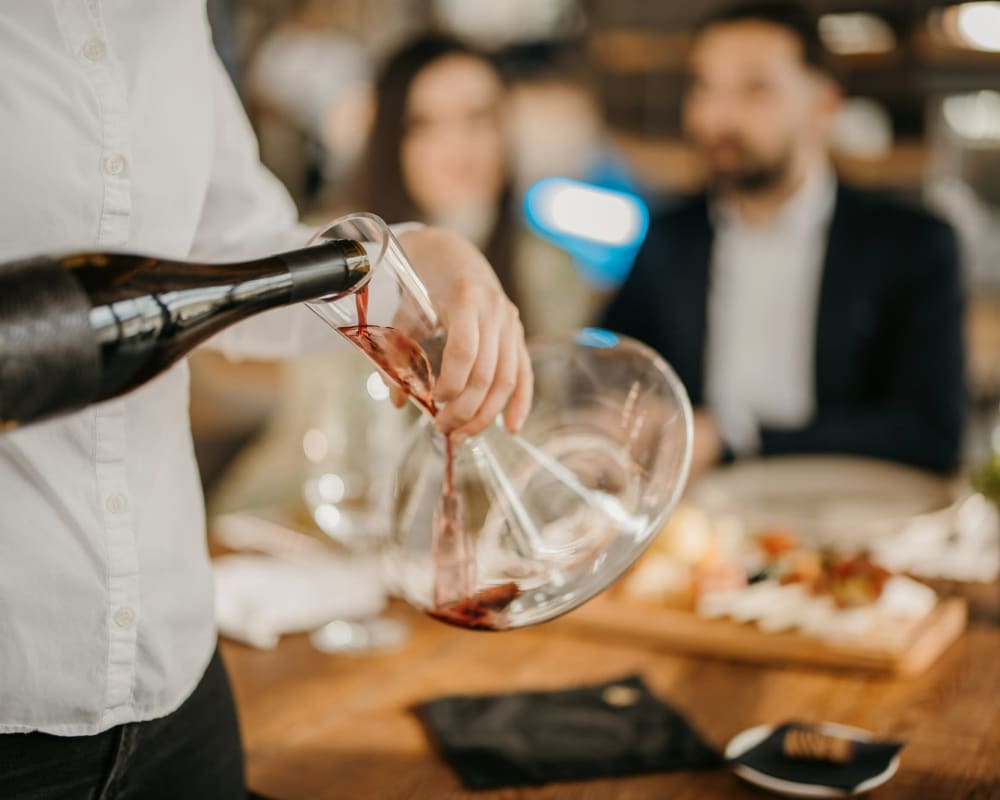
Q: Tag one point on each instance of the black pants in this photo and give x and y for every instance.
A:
(193, 753)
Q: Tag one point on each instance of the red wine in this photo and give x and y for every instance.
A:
(479, 611)
(454, 564)
(400, 358)
(88, 327)
(405, 363)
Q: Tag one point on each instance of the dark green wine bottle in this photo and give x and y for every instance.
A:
(78, 329)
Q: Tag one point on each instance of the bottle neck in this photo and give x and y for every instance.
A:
(332, 268)
(90, 326)
(329, 269)
(179, 305)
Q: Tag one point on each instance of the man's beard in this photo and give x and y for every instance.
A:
(756, 177)
(756, 180)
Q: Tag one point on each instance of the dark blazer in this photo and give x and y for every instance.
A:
(889, 360)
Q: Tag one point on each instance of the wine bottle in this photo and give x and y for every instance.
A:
(78, 329)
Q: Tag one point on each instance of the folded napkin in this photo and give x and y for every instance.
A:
(260, 597)
(611, 729)
(868, 760)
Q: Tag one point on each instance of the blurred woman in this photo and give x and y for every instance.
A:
(438, 152)
(438, 149)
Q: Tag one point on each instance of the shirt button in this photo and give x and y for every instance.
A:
(124, 617)
(94, 50)
(116, 503)
(114, 164)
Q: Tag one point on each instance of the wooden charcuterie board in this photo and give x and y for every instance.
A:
(904, 649)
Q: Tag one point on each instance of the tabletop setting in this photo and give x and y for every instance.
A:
(533, 400)
(685, 678)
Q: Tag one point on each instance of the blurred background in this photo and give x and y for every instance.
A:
(588, 91)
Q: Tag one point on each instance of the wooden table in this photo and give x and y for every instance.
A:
(321, 726)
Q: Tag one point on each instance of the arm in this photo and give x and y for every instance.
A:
(920, 418)
(247, 213)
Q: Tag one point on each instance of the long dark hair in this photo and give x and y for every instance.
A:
(381, 187)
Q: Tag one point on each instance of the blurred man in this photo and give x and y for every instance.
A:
(802, 315)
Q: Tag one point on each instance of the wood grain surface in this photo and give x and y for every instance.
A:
(318, 727)
(903, 648)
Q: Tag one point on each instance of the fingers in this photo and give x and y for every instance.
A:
(504, 380)
(484, 365)
(460, 352)
(520, 401)
(467, 402)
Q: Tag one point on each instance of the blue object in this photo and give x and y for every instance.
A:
(601, 228)
(597, 337)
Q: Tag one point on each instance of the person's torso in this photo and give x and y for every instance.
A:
(105, 590)
(849, 331)
(762, 308)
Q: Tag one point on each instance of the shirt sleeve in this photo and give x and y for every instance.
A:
(247, 214)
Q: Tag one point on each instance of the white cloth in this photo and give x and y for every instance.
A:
(289, 582)
(120, 130)
(260, 598)
(762, 307)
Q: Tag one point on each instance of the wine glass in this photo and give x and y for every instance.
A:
(392, 298)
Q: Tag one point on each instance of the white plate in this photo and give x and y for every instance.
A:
(744, 741)
(836, 498)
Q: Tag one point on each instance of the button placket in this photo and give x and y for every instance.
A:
(84, 31)
(123, 562)
(86, 39)
(124, 617)
(115, 164)
(116, 503)
(94, 50)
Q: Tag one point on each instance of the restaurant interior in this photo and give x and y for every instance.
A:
(782, 616)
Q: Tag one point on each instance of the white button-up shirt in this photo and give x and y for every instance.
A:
(762, 307)
(118, 130)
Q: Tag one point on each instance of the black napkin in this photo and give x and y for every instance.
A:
(523, 738)
(869, 759)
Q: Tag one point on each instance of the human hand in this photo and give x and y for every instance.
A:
(708, 445)
(485, 364)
